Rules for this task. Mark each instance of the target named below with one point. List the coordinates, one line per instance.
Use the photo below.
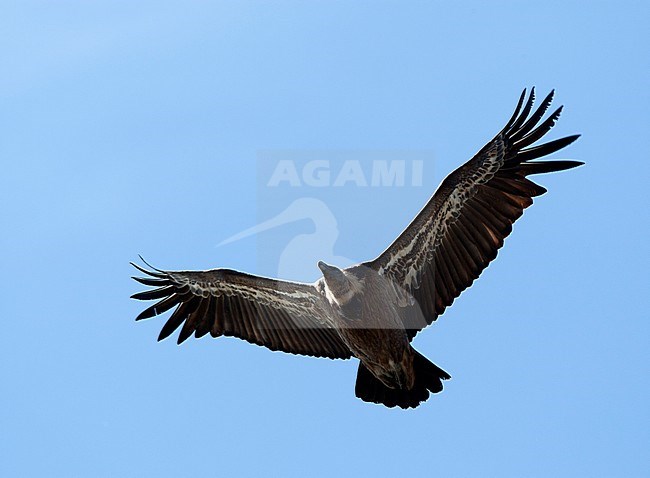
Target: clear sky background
(136, 127)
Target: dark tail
(428, 378)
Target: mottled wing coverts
(285, 316)
(459, 231)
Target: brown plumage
(372, 311)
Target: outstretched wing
(280, 315)
(461, 228)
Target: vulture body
(373, 310)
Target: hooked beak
(331, 273)
(326, 269)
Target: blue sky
(139, 127)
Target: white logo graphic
(303, 249)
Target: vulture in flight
(373, 310)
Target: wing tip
(145, 314)
(149, 265)
(572, 138)
(552, 166)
